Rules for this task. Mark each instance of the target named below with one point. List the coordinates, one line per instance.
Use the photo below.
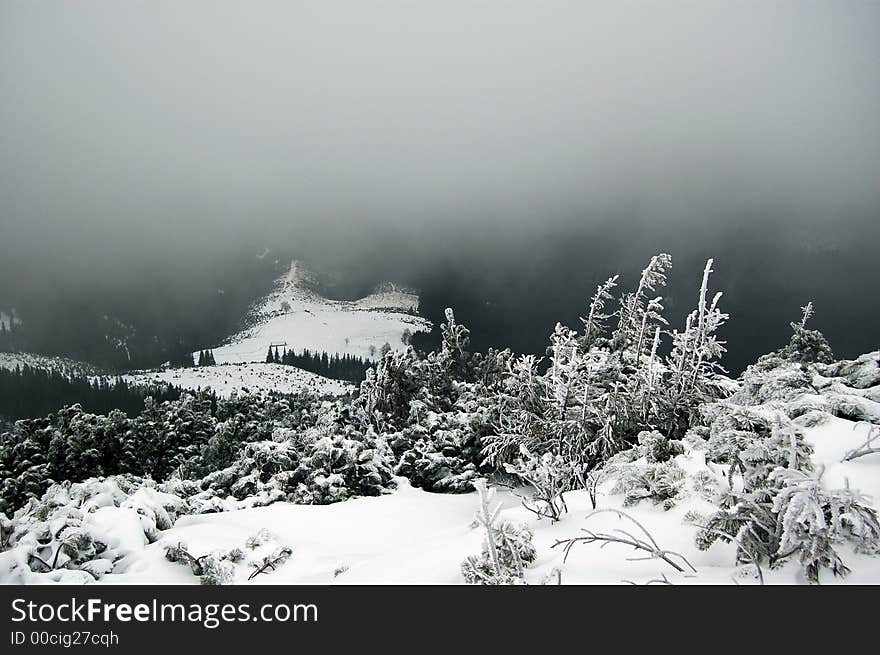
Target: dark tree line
(346, 367)
(27, 392)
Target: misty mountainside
(63, 365)
(313, 342)
(136, 317)
(296, 317)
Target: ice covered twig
(648, 545)
(870, 446)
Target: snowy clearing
(412, 536)
(223, 379)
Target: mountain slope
(296, 315)
(226, 378)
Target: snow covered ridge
(224, 379)
(296, 315)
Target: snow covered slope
(414, 537)
(297, 315)
(226, 378)
(223, 379)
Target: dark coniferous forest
(27, 392)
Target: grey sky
(124, 122)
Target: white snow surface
(226, 378)
(411, 536)
(296, 315)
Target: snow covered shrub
(455, 340)
(788, 372)
(794, 517)
(443, 452)
(550, 476)
(771, 378)
(807, 346)
(860, 373)
(337, 468)
(216, 568)
(262, 553)
(507, 548)
(434, 410)
(74, 445)
(6, 529)
(87, 526)
(514, 551)
(164, 437)
(753, 442)
(245, 419)
(54, 534)
(657, 448)
(811, 520)
(261, 472)
(156, 510)
(647, 471)
(383, 401)
(599, 393)
(693, 363)
(661, 483)
(696, 437)
(779, 510)
(707, 486)
(436, 466)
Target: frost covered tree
(635, 305)
(807, 346)
(595, 321)
(774, 505)
(521, 415)
(550, 476)
(694, 359)
(454, 344)
(507, 549)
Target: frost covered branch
(870, 446)
(648, 545)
